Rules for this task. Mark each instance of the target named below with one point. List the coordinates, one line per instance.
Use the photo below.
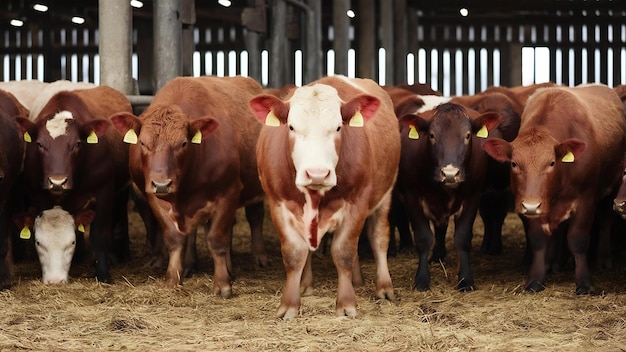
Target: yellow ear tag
(81, 228)
(25, 233)
(197, 138)
(356, 120)
(483, 132)
(413, 132)
(568, 158)
(92, 138)
(27, 138)
(130, 137)
(272, 120)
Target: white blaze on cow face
(314, 129)
(57, 125)
(55, 242)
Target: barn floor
(137, 312)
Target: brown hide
(92, 171)
(366, 170)
(565, 160)
(11, 152)
(189, 179)
(11, 105)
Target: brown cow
(74, 159)
(193, 160)
(11, 153)
(328, 158)
(565, 162)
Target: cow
(25, 91)
(55, 241)
(192, 159)
(565, 162)
(49, 90)
(328, 158)
(74, 159)
(441, 174)
(11, 156)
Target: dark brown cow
(565, 162)
(328, 159)
(73, 158)
(11, 153)
(442, 169)
(193, 160)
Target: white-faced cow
(55, 241)
(74, 158)
(442, 169)
(11, 154)
(565, 162)
(192, 159)
(328, 158)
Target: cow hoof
(224, 292)
(260, 260)
(421, 287)
(287, 313)
(306, 291)
(535, 286)
(5, 281)
(465, 286)
(386, 294)
(349, 312)
(583, 290)
(106, 278)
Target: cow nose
(531, 208)
(317, 176)
(57, 182)
(619, 205)
(162, 187)
(449, 174)
(54, 281)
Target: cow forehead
(168, 123)
(57, 125)
(319, 101)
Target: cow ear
(569, 150)
(94, 129)
(201, 128)
(27, 129)
(269, 109)
(83, 218)
(359, 110)
(127, 125)
(485, 123)
(499, 149)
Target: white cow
(55, 241)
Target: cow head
(537, 162)
(59, 140)
(619, 203)
(315, 117)
(450, 129)
(164, 135)
(55, 241)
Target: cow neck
(311, 215)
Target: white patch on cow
(57, 125)
(431, 102)
(55, 238)
(298, 229)
(313, 119)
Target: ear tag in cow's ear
(483, 132)
(92, 138)
(568, 157)
(27, 137)
(25, 233)
(81, 228)
(356, 120)
(197, 138)
(130, 137)
(272, 120)
(413, 132)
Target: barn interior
(456, 46)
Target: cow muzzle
(316, 179)
(619, 206)
(450, 176)
(57, 184)
(531, 208)
(164, 187)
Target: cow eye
(37, 243)
(40, 146)
(290, 127)
(338, 128)
(73, 242)
(468, 136)
(431, 135)
(76, 145)
(184, 144)
(552, 163)
(513, 164)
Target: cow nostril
(449, 174)
(531, 207)
(57, 181)
(162, 187)
(317, 175)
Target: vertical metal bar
(115, 45)
(167, 42)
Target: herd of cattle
(338, 156)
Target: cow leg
(154, 234)
(578, 242)
(218, 238)
(121, 240)
(6, 257)
(424, 239)
(306, 283)
(439, 250)
(344, 252)
(190, 260)
(295, 253)
(463, 242)
(493, 210)
(537, 242)
(175, 242)
(378, 230)
(100, 235)
(255, 214)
